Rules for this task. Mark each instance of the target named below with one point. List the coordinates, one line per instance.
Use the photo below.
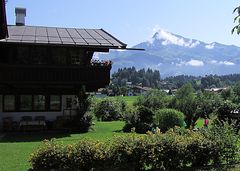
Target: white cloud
(152, 31)
(210, 46)
(192, 62)
(96, 55)
(228, 63)
(180, 64)
(156, 28)
(195, 63)
(213, 62)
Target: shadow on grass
(31, 136)
(223, 167)
(118, 130)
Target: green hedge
(174, 149)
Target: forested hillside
(146, 78)
(151, 78)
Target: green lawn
(15, 149)
(128, 99)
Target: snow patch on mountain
(210, 46)
(169, 38)
(174, 54)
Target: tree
(110, 109)
(227, 94)
(225, 110)
(207, 103)
(147, 78)
(153, 99)
(141, 120)
(236, 90)
(82, 121)
(186, 103)
(236, 20)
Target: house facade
(43, 68)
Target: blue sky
(134, 21)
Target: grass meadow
(15, 148)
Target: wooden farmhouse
(43, 68)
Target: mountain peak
(168, 38)
(173, 54)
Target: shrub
(110, 109)
(141, 120)
(86, 154)
(82, 120)
(128, 152)
(131, 119)
(83, 156)
(175, 149)
(228, 141)
(48, 156)
(201, 150)
(168, 118)
(82, 124)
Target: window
(39, 102)
(68, 103)
(25, 103)
(9, 103)
(29, 103)
(55, 102)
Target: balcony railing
(92, 75)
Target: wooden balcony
(63, 78)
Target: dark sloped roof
(98, 38)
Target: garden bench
(27, 123)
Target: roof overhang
(68, 37)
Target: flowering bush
(49, 156)
(95, 62)
(84, 155)
(176, 148)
